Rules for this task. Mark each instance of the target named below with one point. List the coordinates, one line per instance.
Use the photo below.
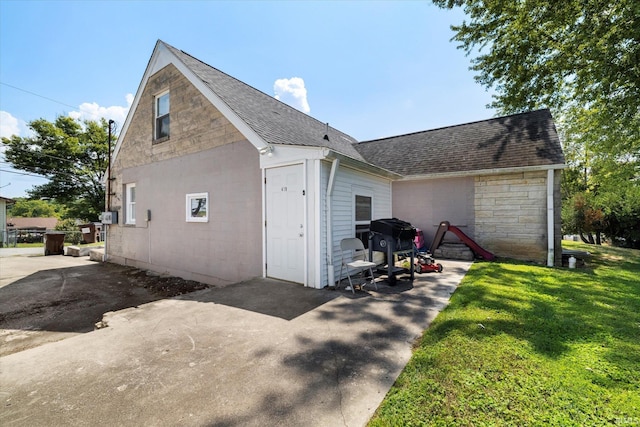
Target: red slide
(476, 248)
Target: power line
(35, 174)
(39, 96)
(75, 107)
(23, 173)
(43, 154)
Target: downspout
(330, 272)
(550, 219)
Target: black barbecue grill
(393, 237)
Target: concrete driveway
(256, 353)
(46, 299)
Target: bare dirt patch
(57, 303)
(165, 286)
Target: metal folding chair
(355, 260)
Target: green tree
(72, 235)
(72, 155)
(35, 208)
(581, 59)
(580, 215)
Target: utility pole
(111, 122)
(106, 226)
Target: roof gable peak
(274, 121)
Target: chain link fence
(11, 237)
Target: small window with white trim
(162, 116)
(363, 213)
(130, 203)
(198, 207)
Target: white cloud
(93, 111)
(9, 125)
(292, 91)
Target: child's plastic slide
(475, 248)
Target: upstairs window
(162, 116)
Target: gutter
(360, 165)
(332, 175)
(482, 172)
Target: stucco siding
(226, 249)
(204, 153)
(425, 203)
(506, 214)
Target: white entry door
(285, 223)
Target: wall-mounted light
(267, 149)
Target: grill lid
(393, 227)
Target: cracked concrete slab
(229, 357)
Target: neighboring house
(30, 230)
(216, 181)
(40, 223)
(4, 202)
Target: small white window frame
(362, 192)
(158, 117)
(130, 206)
(192, 197)
(355, 207)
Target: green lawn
(41, 245)
(29, 245)
(528, 345)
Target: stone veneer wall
(511, 215)
(196, 124)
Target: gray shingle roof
(519, 140)
(274, 121)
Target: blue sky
(370, 69)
